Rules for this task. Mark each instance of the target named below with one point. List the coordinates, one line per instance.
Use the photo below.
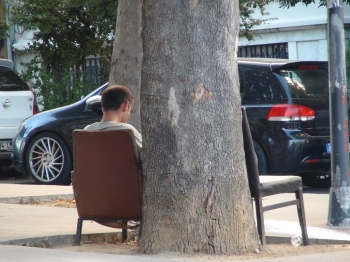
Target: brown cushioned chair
(262, 186)
(107, 177)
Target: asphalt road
(9, 175)
(14, 177)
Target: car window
(260, 87)
(10, 81)
(97, 91)
(305, 83)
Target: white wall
(304, 28)
(299, 15)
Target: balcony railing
(265, 51)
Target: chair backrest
(250, 157)
(107, 180)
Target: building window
(268, 51)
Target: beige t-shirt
(111, 125)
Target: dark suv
(287, 107)
(288, 110)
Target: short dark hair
(114, 96)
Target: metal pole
(339, 195)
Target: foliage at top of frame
(247, 22)
(67, 30)
(4, 27)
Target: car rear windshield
(10, 81)
(305, 81)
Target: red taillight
(35, 108)
(312, 161)
(290, 112)
(35, 104)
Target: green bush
(59, 87)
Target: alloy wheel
(46, 159)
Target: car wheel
(317, 180)
(48, 160)
(263, 165)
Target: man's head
(117, 98)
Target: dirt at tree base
(68, 203)
(272, 250)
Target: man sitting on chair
(116, 102)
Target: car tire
(317, 180)
(263, 165)
(48, 160)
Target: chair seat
(271, 185)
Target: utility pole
(339, 195)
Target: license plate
(328, 148)
(5, 145)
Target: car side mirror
(94, 103)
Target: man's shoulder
(110, 125)
(124, 126)
(92, 126)
(117, 126)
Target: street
(13, 177)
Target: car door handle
(6, 102)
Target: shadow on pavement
(9, 175)
(309, 190)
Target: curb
(33, 199)
(313, 241)
(64, 240)
(61, 240)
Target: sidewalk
(28, 223)
(283, 222)
(21, 222)
(16, 253)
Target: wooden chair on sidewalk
(107, 178)
(262, 186)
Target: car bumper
(294, 152)
(315, 165)
(16, 154)
(18, 165)
(5, 154)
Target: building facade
(298, 32)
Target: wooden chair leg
(140, 229)
(78, 234)
(260, 220)
(301, 215)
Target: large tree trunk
(196, 196)
(127, 53)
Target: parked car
(287, 108)
(17, 103)
(43, 145)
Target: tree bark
(127, 53)
(196, 196)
